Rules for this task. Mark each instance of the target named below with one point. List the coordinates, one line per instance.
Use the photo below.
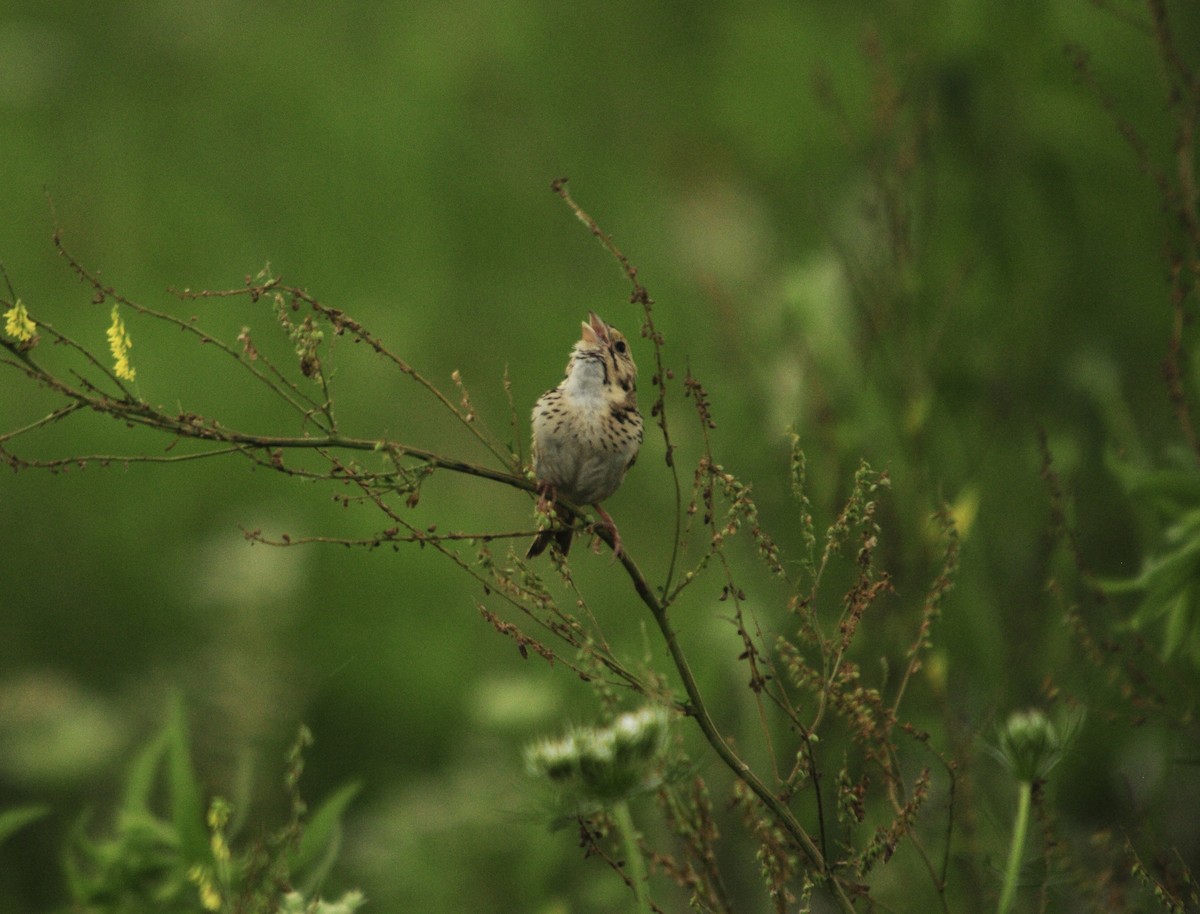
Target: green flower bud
(1030, 745)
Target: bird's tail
(558, 537)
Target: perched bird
(587, 431)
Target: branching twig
(721, 507)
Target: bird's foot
(546, 497)
(618, 549)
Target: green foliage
(13, 820)
(162, 853)
(143, 864)
(1169, 582)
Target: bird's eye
(619, 345)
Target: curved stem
(633, 856)
(1013, 869)
(697, 709)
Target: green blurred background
(905, 230)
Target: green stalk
(1009, 892)
(633, 855)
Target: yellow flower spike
(218, 813)
(218, 817)
(120, 344)
(18, 324)
(220, 848)
(964, 510)
(210, 898)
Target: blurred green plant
(1170, 575)
(1169, 582)
(590, 767)
(13, 820)
(1029, 746)
(600, 770)
(171, 856)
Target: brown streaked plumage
(587, 431)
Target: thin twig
(641, 296)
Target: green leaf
(1169, 584)
(143, 775)
(1166, 572)
(186, 802)
(1186, 528)
(1173, 571)
(13, 820)
(1179, 621)
(320, 842)
(1170, 491)
(1171, 599)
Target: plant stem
(698, 710)
(1015, 850)
(634, 862)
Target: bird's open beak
(595, 328)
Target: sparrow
(587, 430)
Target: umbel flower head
(602, 765)
(1030, 745)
